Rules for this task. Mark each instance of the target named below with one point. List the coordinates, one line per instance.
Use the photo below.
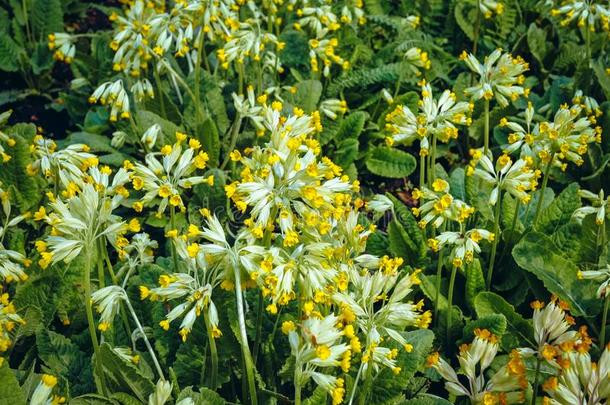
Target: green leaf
(56, 351)
(387, 387)
(538, 254)
(346, 152)
(465, 17)
(603, 79)
(207, 134)
(9, 53)
(388, 73)
(536, 40)
(317, 397)
(25, 189)
(495, 323)
(42, 58)
(426, 399)
(46, 18)
(560, 210)
(351, 126)
(296, 47)
(308, 94)
(92, 399)
(10, 392)
(408, 236)
(124, 399)
(488, 303)
(388, 162)
(475, 282)
(121, 376)
(147, 119)
(205, 396)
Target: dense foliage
(304, 201)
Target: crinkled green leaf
(538, 254)
(488, 303)
(388, 162)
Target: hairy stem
(450, 302)
(494, 245)
(535, 391)
(486, 134)
(213, 351)
(243, 338)
(146, 341)
(545, 181)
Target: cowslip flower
(580, 380)
(436, 118)
(9, 319)
(552, 331)
(464, 245)
(72, 161)
(43, 391)
(520, 138)
(62, 45)
(164, 181)
(382, 321)
(417, 60)
(507, 385)
(83, 216)
(12, 263)
(516, 178)
(489, 7)
(602, 275)
(500, 76)
(107, 302)
(438, 206)
(599, 205)
(586, 14)
(566, 138)
(115, 95)
(316, 347)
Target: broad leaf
(10, 392)
(538, 254)
(388, 162)
(488, 303)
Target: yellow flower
(193, 249)
(322, 352)
(134, 225)
(200, 160)
(49, 380)
(287, 327)
(165, 191)
(40, 214)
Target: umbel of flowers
(303, 241)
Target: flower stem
(494, 245)
(450, 302)
(146, 341)
(353, 394)
(602, 333)
(422, 169)
(213, 351)
(439, 272)
(243, 337)
(545, 181)
(90, 321)
(486, 134)
(259, 327)
(161, 100)
(297, 385)
(172, 224)
(368, 382)
(535, 391)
